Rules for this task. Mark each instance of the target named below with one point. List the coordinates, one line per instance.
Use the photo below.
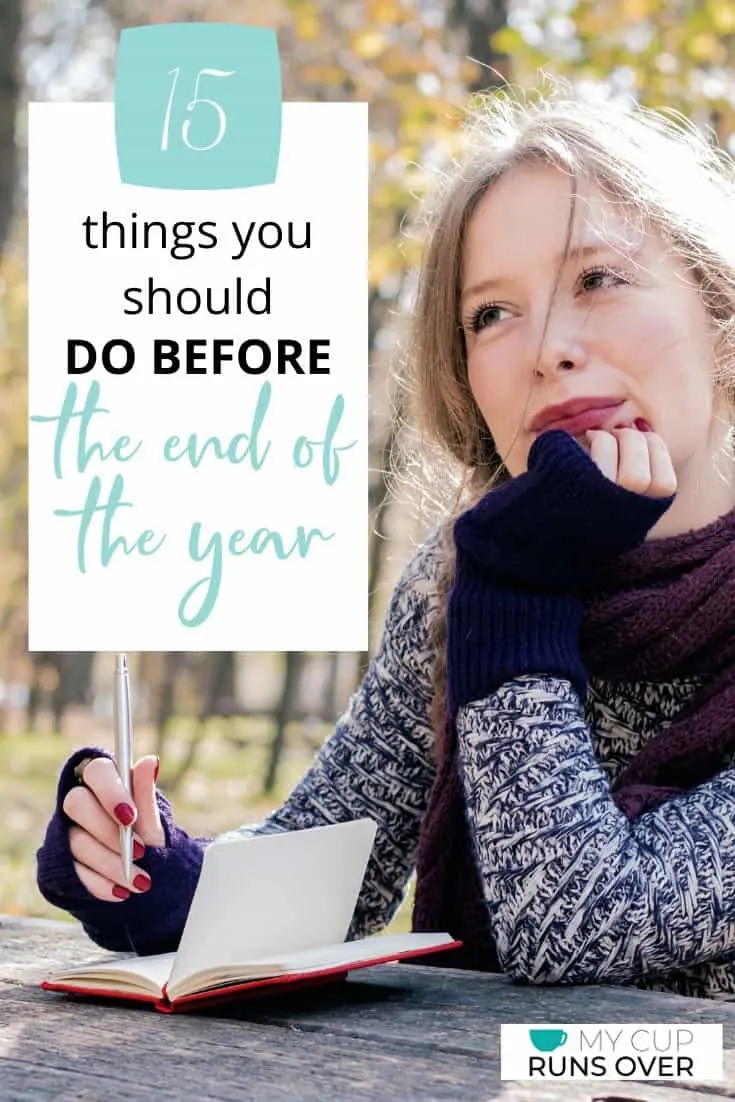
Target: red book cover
(273, 985)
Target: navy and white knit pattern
(575, 893)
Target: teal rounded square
(198, 105)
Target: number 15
(190, 107)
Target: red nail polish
(156, 770)
(138, 849)
(124, 814)
(119, 892)
(141, 882)
(642, 425)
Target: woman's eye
(594, 278)
(484, 316)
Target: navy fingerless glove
(525, 554)
(149, 922)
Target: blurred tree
(10, 27)
(471, 27)
(13, 348)
(677, 54)
(58, 680)
(13, 461)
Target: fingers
(100, 888)
(148, 824)
(85, 810)
(101, 870)
(604, 452)
(102, 779)
(663, 476)
(97, 809)
(634, 464)
(637, 461)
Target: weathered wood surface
(391, 1033)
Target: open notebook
(269, 910)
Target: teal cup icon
(546, 1040)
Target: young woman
(546, 732)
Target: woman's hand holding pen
(80, 863)
(98, 807)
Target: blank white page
(273, 894)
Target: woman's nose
(560, 347)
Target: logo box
(641, 1051)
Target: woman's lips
(591, 419)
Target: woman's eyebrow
(578, 251)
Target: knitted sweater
(575, 892)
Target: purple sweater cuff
(150, 922)
(495, 634)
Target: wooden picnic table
(391, 1032)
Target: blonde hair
(657, 169)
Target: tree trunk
(172, 662)
(329, 706)
(218, 697)
(295, 661)
(73, 685)
(10, 25)
(474, 22)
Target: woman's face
(627, 335)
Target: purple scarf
(667, 611)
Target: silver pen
(124, 752)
